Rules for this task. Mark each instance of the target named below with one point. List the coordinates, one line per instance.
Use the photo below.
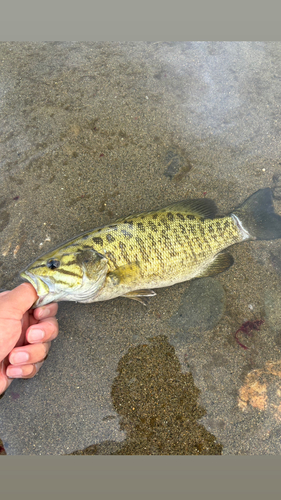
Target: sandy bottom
(95, 131)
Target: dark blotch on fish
(111, 257)
(127, 234)
(152, 226)
(110, 238)
(98, 241)
(141, 226)
(180, 216)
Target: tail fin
(257, 216)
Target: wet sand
(94, 131)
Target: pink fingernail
(43, 313)
(34, 335)
(20, 357)
(15, 372)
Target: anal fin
(140, 295)
(221, 263)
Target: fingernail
(19, 357)
(44, 313)
(15, 372)
(35, 335)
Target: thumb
(13, 306)
(15, 303)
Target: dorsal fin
(201, 207)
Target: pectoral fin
(129, 275)
(125, 275)
(221, 263)
(140, 295)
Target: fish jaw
(48, 290)
(44, 289)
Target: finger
(46, 311)
(4, 380)
(30, 354)
(36, 369)
(16, 302)
(25, 322)
(26, 371)
(44, 331)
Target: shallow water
(94, 131)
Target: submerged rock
(202, 306)
(276, 188)
(177, 165)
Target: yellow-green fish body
(150, 250)
(160, 249)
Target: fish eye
(53, 263)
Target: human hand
(22, 352)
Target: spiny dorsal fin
(221, 263)
(200, 207)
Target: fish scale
(166, 249)
(151, 250)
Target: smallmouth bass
(160, 248)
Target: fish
(138, 253)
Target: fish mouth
(29, 277)
(42, 286)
